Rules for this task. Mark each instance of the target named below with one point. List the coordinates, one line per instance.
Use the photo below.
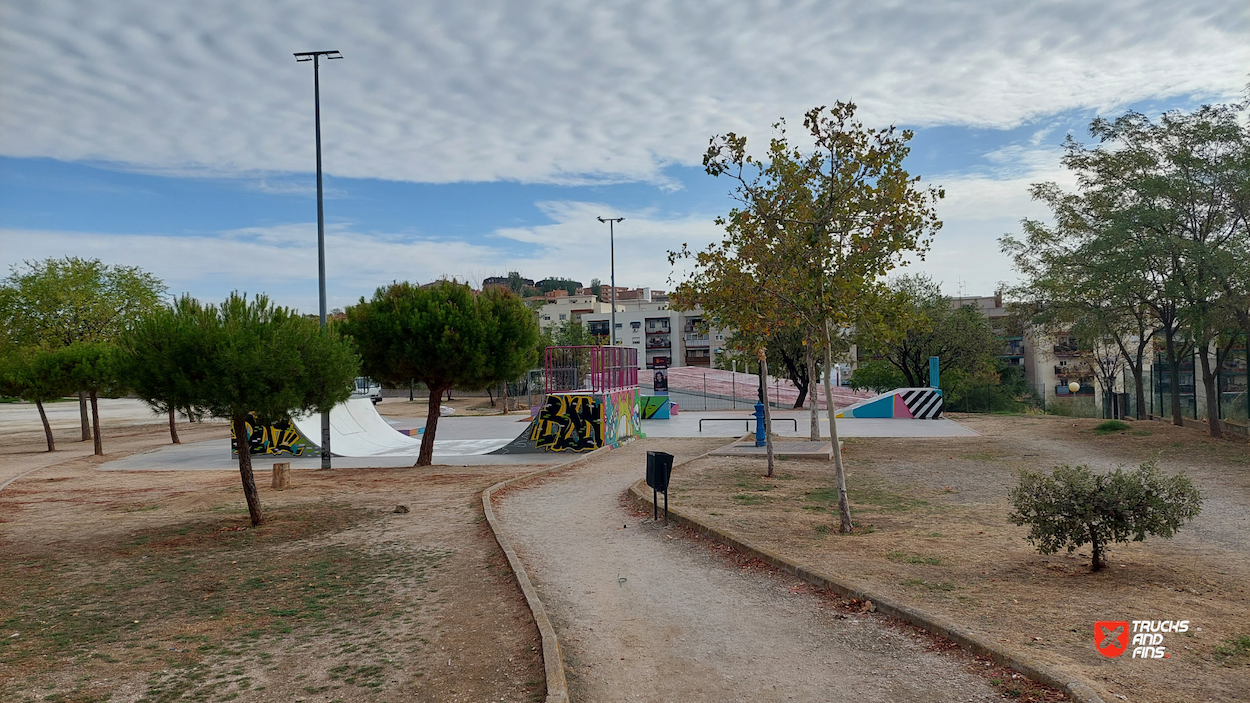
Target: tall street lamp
(612, 253)
(315, 57)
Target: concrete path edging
(553, 662)
(1077, 691)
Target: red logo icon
(1111, 637)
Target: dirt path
(646, 615)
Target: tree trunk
(505, 397)
(768, 416)
(1138, 380)
(797, 377)
(245, 470)
(814, 408)
(95, 424)
(1209, 385)
(47, 429)
(426, 456)
(1175, 365)
(844, 505)
(490, 394)
(1096, 550)
(173, 427)
(82, 414)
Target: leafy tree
(435, 335)
(250, 358)
(919, 322)
(96, 368)
(566, 284)
(1163, 203)
(725, 286)
(36, 374)
(1086, 276)
(160, 362)
(1074, 507)
(596, 287)
(566, 334)
(877, 376)
(512, 337)
(57, 302)
(816, 229)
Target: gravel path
(646, 615)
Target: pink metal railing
(589, 368)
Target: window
(563, 316)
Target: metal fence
(589, 368)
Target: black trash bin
(659, 468)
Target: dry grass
(932, 531)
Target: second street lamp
(315, 57)
(612, 253)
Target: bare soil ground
(933, 531)
(150, 586)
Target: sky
(473, 138)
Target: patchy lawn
(932, 530)
(152, 587)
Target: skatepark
(363, 438)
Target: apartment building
(661, 336)
(561, 307)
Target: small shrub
(1074, 507)
(1111, 426)
(1233, 647)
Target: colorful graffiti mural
(277, 438)
(568, 423)
(654, 407)
(580, 422)
(622, 418)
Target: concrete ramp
(580, 421)
(899, 404)
(357, 430)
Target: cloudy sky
(468, 139)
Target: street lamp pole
(612, 253)
(315, 57)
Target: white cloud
(282, 260)
(564, 92)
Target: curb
(553, 662)
(1077, 691)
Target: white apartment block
(568, 308)
(660, 335)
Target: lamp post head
(611, 219)
(308, 55)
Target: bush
(1074, 507)
(1111, 427)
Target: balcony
(698, 361)
(659, 344)
(697, 341)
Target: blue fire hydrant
(759, 425)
